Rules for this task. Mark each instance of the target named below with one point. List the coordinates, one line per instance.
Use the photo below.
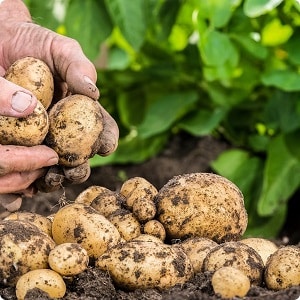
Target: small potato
(23, 247)
(68, 259)
(42, 222)
(107, 202)
(147, 238)
(78, 174)
(28, 131)
(196, 248)
(137, 188)
(283, 268)
(75, 128)
(262, 246)
(89, 194)
(230, 282)
(33, 75)
(126, 223)
(144, 209)
(204, 205)
(143, 265)
(237, 255)
(44, 279)
(155, 228)
(77, 223)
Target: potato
(229, 282)
(236, 255)
(33, 75)
(155, 228)
(147, 238)
(75, 128)
(144, 265)
(204, 205)
(42, 222)
(23, 247)
(44, 279)
(89, 194)
(78, 174)
(262, 246)
(78, 223)
(283, 268)
(107, 201)
(126, 223)
(28, 131)
(196, 249)
(137, 188)
(144, 209)
(68, 259)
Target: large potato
(33, 75)
(77, 223)
(75, 129)
(204, 205)
(143, 265)
(28, 131)
(23, 247)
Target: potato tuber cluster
(72, 126)
(160, 248)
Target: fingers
(11, 202)
(15, 101)
(24, 159)
(109, 136)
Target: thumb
(15, 101)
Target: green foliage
(228, 68)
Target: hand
(73, 72)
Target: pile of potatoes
(72, 126)
(146, 238)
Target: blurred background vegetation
(226, 68)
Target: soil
(184, 154)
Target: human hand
(72, 71)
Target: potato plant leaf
(256, 8)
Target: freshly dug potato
(78, 174)
(137, 188)
(229, 282)
(29, 131)
(262, 246)
(107, 202)
(23, 247)
(144, 209)
(144, 265)
(42, 222)
(77, 223)
(89, 194)
(75, 128)
(196, 248)
(126, 223)
(236, 255)
(155, 228)
(204, 205)
(283, 268)
(44, 279)
(68, 259)
(147, 238)
(35, 76)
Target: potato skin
(28, 131)
(204, 205)
(23, 246)
(77, 223)
(33, 75)
(75, 128)
(144, 265)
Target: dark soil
(184, 154)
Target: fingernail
(20, 101)
(91, 84)
(52, 161)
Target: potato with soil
(283, 268)
(28, 131)
(75, 129)
(90, 193)
(144, 265)
(236, 255)
(23, 247)
(78, 223)
(204, 205)
(44, 279)
(155, 228)
(33, 75)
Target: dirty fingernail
(91, 84)
(20, 101)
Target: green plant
(228, 68)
